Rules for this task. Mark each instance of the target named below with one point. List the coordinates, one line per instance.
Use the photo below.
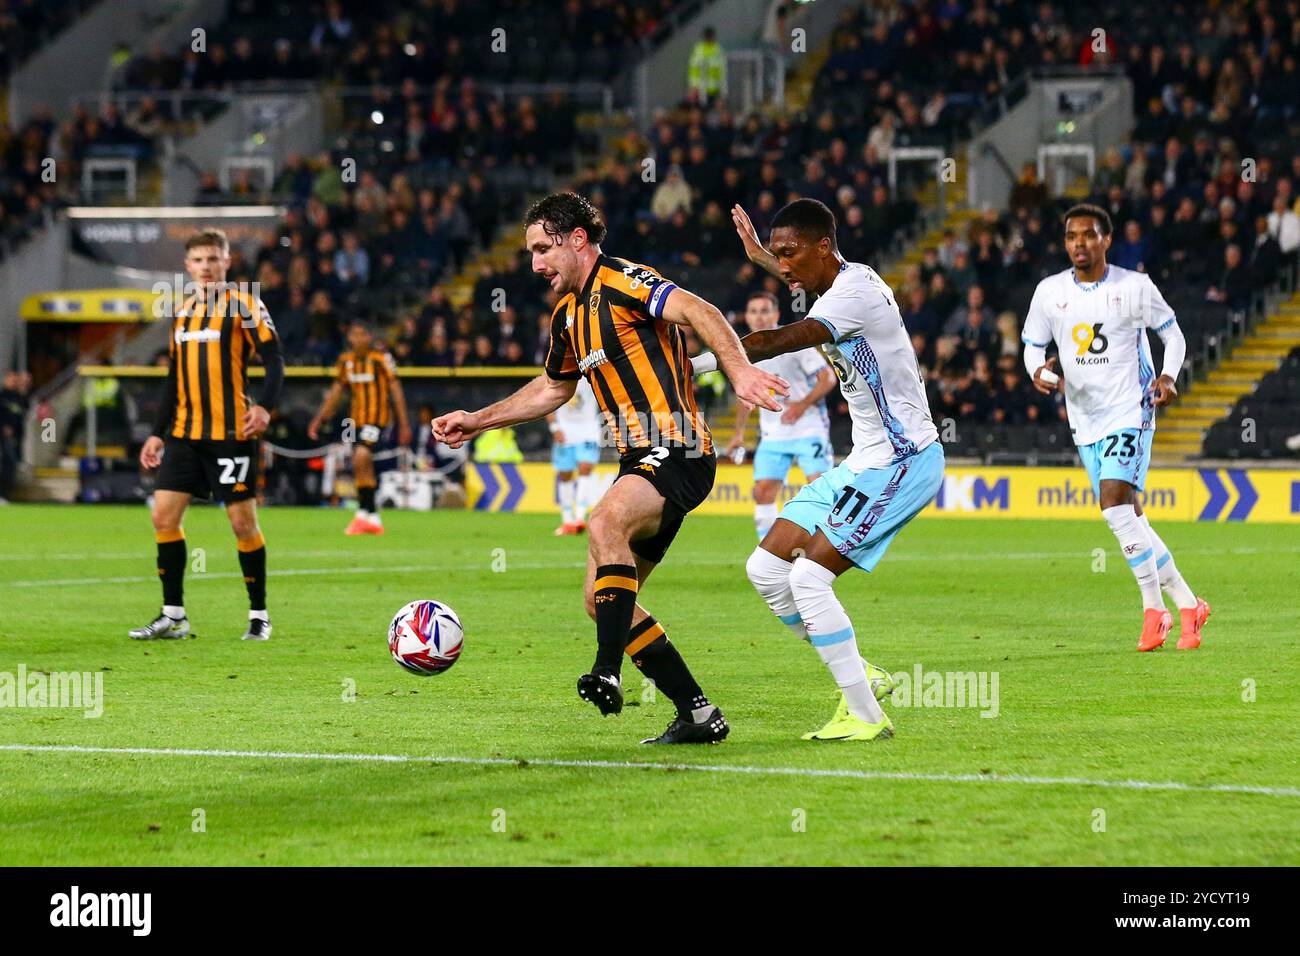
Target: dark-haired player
(204, 441)
(618, 323)
(370, 375)
(851, 513)
(1098, 316)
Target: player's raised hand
(757, 387)
(313, 429)
(151, 453)
(455, 428)
(255, 421)
(1164, 391)
(1048, 386)
(748, 234)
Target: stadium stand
(424, 241)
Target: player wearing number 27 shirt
(204, 441)
(1099, 315)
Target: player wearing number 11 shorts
(1098, 315)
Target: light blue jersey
(896, 466)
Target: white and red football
(425, 637)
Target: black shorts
(683, 476)
(225, 471)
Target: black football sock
(366, 498)
(615, 594)
(171, 566)
(658, 659)
(252, 561)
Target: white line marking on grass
(700, 768)
(545, 565)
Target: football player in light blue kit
(1098, 315)
(575, 451)
(849, 515)
(801, 432)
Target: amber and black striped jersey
(213, 339)
(636, 361)
(370, 375)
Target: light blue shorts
(861, 512)
(1124, 455)
(567, 457)
(773, 459)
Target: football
(425, 637)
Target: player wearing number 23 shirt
(1098, 315)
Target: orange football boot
(1156, 623)
(356, 526)
(1192, 620)
(567, 528)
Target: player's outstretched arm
(537, 399)
(786, 338)
(754, 247)
(750, 382)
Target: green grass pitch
(1056, 778)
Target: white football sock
(582, 501)
(568, 490)
(1135, 545)
(764, 515)
(770, 576)
(831, 632)
(174, 611)
(1170, 579)
(259, 616)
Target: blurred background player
(575, 433)
(1098, 315)
(204, 441)
(849, 515)
(371, 375)
(801, 433)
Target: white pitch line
(700, 768)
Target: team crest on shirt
(593, 304)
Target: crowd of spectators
(386, 42)
(1203, 196)
(27, 25)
